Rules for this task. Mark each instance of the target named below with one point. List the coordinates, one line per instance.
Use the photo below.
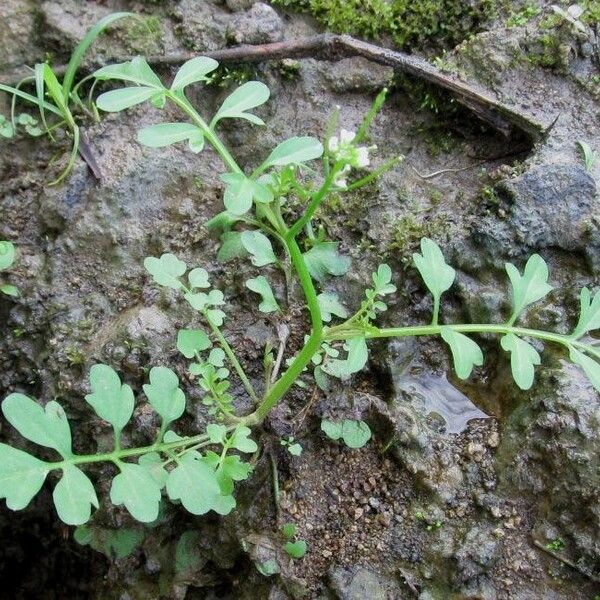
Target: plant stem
(344, 333)
(283, 384)
(232, 358)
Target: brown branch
(566, 561)
(335, 47)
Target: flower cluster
(344, 150)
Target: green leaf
(437, 275)
(382, 280)
(195, 484)
(261, 286)
(115, 544)
(21, 476)
(296, 549)
(294, 151)
(241, 441)
(216, 433)
(330, 304)
(289, 530)
(165, 134)
(248, 96)
(529, 287)
(332, 429)
(358, 354)
(9, 290)
(589, 365)
(589, 314)
(523, 358)
(192, 71)
(190, 341)
(117, 100)
(231, 246)
(74, 496)
(198, 278)
(7, 255)
(260, 248)
(197, 301)
(135, 487)
(465, 352)
(111, 400)
(355, 434)
(166, 270)
(164, 394)
(216, 357)
(324, 259)
(153, 463)
(295, 449)
(46, 426)
(135, 71)
(241, 191)
(189, 557)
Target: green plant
(7, 258)
(200, 470)
(293, 447)
(60, 99)
(589, 156)
(523, 16)
(556, 545)
(355, 434)
(294, 548)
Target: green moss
(142, 36)
(408, 231)
(410, 24)
(234, 75)
(523, 16)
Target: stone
(259, 25)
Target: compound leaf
(589, 314)
(241, 441)
(382, 279)
(21, 476)
(324, 259)
(358, 355)
(166, 270)
(164, 394)
(153, 463)
(529, 287)
(47, 426)
(192, 71)
(195, 484)
(110, 399)
(589, 365)
(294, 151)
(135, 487)
(465, 352)
(261, 286)
(190, 341)
(248, 96)
(437, 275)
(260, 248)
(523, 358)
(74, 496)
(330, 304)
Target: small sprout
(294, 448)
(295, 549)
(355, 434)
(589, 156)
(556, 545)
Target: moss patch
(410, 24)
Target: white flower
(333, 144)
(340, 179)
(362, 157)
(346, 137)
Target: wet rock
(556, 432)
(359, 583)
(477, 553)
(357, 75)
(260, 25)
(551, 205)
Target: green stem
(232, 358)
(342, 333)
(285, 382)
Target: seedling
(294, 448)
(296, 548)
(555, 545)
(60, 99)
(199, 470)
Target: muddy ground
(468, 490)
